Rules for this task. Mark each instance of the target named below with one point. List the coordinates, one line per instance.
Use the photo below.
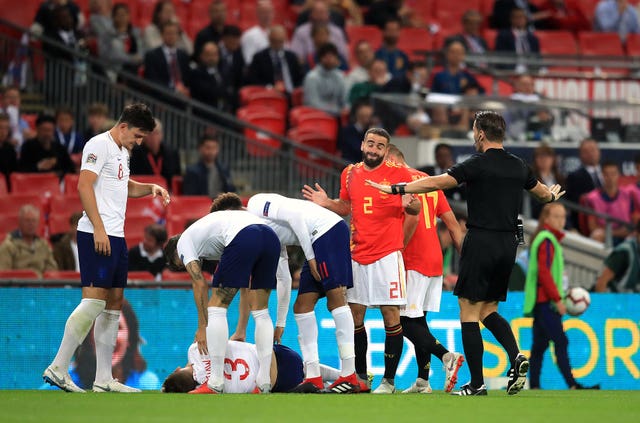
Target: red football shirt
(376, 217)
(423, 253)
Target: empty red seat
(297, 112)
(557, 42)
(270, 99)
(70, 275)
(415, 42)
(150, 179)
(176, 185)
(35, 183)
(19, 274)
(246, 91)
(632, 45)
(189, 205)
(4, 190)
(134, 228)
(601, 44)
(8, 223)
(449, 13)
(71, 183)
(140, 275)
(487, 82)
(259, 143)
(321, 123)
(11, 203)
(64, 204)
(357, 33)
(297, 97)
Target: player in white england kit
(324, 238)
(248, 252)
(104, 186)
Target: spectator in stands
(320, 35)
(621, 272)
(66, 133)
(634, 188)
(8, 156)
(65, 250)
(501, 16)
(208, 176)
(378, 78)
(213, 31)
(563, 15)
(381, 11)
(43, 21)
(125, 48)
(616, 16)
(341, 12)
(518, 39)
(164, 12)
(612, 201)
(443, 154)
(397, 60)
(470, 37)
(256, 38)
(351, 136)
(453, 79)
(100, 25)
(168, 64)
(527, 123)
(154, 157)
(23, 248)
(324, 86)
(414, 80)
(364, 58)
(207, 84)
(64, 32)
(10, 101)
(43, 153)
(586, 178)
(545, 169)
(302, 43)
(97, 120)
(231, 65)
(276, 66)
(147, 255)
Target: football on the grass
(577, 300)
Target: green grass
(528, 406)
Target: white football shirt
(102, 156)
(240, 367)
(306, 219)
(208, 236)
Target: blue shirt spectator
(608, 18)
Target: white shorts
(379, 283)
(423, 294)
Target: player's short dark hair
(180, 382)
(226, 201)
(170, 252)
(138, 115)
(492, 124)
(378, 131)
(327, 48)
(157, 232)
(395, 151)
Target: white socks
(217, 336)
(105, 333)
(308, 339)
(344, 336)
(264, 345)
(75, 330)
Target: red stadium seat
(168, 275)
(315, 140)
(601, 44)
(21, 14)
(356, 33)
(35, 183)
(11, 203)
(70, 275)
(191, 206)
(270, 99)
(176, 185)
(258, 143)
(422, 8)
(140, 275)
(557, 42)
(490, 37)
(246, 91)
(65, 204)
(4, 190)
(414, 42)
(8, 223)
(324, 124)
(487, 82)
(297, 112)
(19, 274)
(71, 183)
(632, 45)
(449, 13)
(134, 228)
(297, 97)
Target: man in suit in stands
(470, 36)
(153, 157)
(147, 255)
(518, 39)
(587, 177)
(207, 84)
(231, 64)
(276, 66)
(213, 31)
(168, 65)
(65, 250)
(43, 153)
(208, 176)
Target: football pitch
(528, 406)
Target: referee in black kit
(495, 180)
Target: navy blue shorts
(254, 252)
(334, 262)
(290, 369)
(99, 270)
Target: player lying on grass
(240, 369)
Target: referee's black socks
(500, 328)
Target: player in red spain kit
(423, 262)
(376, 245)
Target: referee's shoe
(517, 375)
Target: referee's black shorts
(486, 262)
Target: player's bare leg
(259, 303)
